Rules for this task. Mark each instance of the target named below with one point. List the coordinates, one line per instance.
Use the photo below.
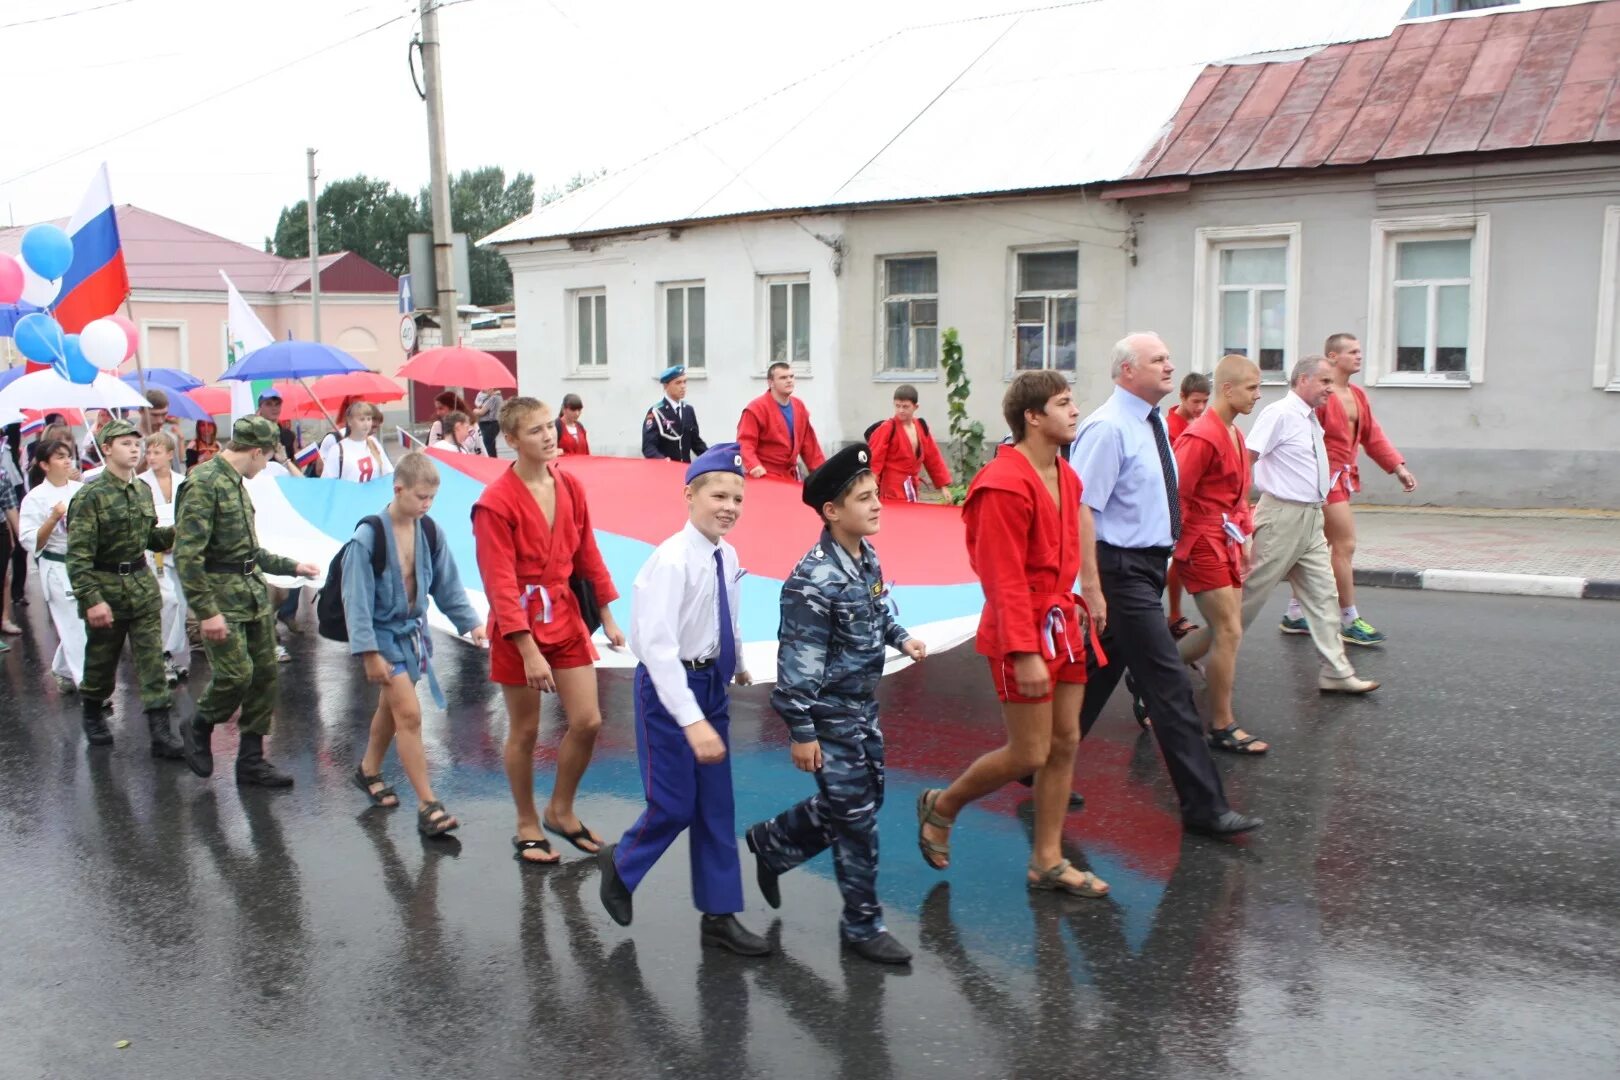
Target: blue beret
(724, 457)
(672, 373)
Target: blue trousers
(683, 795)
(843, 815)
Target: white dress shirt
(36, 509)
(675, 615)
(1292, 462)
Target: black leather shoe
(1077, 801)
(164, 743)
(725, 932)
(196, 746)
(257, 772)
(883, 949)
(95, 726)
(615, 895)
(1228, 824)
(767, 878)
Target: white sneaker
(1349, 684)
(66, 685)
(282, 655)
(170, 675)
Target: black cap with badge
(836, 474)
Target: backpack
(329, 616)
(868, 436)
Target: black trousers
(1138, 637)
(490, 430)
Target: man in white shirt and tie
(1291, 473)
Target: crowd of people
(1072, 528)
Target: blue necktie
(727, 660)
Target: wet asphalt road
(1434, 894)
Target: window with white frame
(1428, 300)
(787, 306)
(1246, 297)
(910, 313)
(590, 328)
(685, 325)
(1046, 310)
(1606, 368)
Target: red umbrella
(458, 366)
(332, 393)
(213, 400)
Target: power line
(66, 14)
(202, 101)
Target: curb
(1482, 581)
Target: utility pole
(439, 179)
(314, 255)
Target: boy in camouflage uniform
(111, 525)
(835, 624)
(221, 567)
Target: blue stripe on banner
(93, 247)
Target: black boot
(253, 770)
(883, 949)
(769, 887)
(725, 932)
(164, 743)
(197, 746)
(95, 725)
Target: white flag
(243, 333)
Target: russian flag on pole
(96, 282)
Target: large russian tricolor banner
(97, 281)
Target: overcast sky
(549, 86)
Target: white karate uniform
(53, 577)
(175, 644)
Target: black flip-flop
(582, 833)
(521, 845)
(364, 782)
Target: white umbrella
(46, 390)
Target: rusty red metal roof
(1500, 81)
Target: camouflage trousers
(842, 814)
(242, 673)
(102, 648)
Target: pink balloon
(130, 331)
(11, 279)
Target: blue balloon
(75, 367)
(38, 337)
(48, 251)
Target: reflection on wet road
(1434, 893)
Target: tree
(368, 217)
(967, 436)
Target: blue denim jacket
(379, 616)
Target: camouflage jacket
(835, 623)
(113, 521)
(213, 523)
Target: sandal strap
(929, 817)
(1052, 873)
(427, 810)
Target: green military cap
(112, 429)
(256, 432)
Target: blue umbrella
(292, 360)
(185, 408)
(165, 378)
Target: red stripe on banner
(642, 499)
(100, 294)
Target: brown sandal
(925, 817)
(1051, 880)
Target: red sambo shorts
(1343, 487)
(506, 663)
(1062, 670)
(1210, 564)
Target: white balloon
(37, 290)
(103, 344)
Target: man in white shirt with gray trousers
(1291, 473)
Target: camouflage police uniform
(221, 568)
(836, 621)
(111, 524)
